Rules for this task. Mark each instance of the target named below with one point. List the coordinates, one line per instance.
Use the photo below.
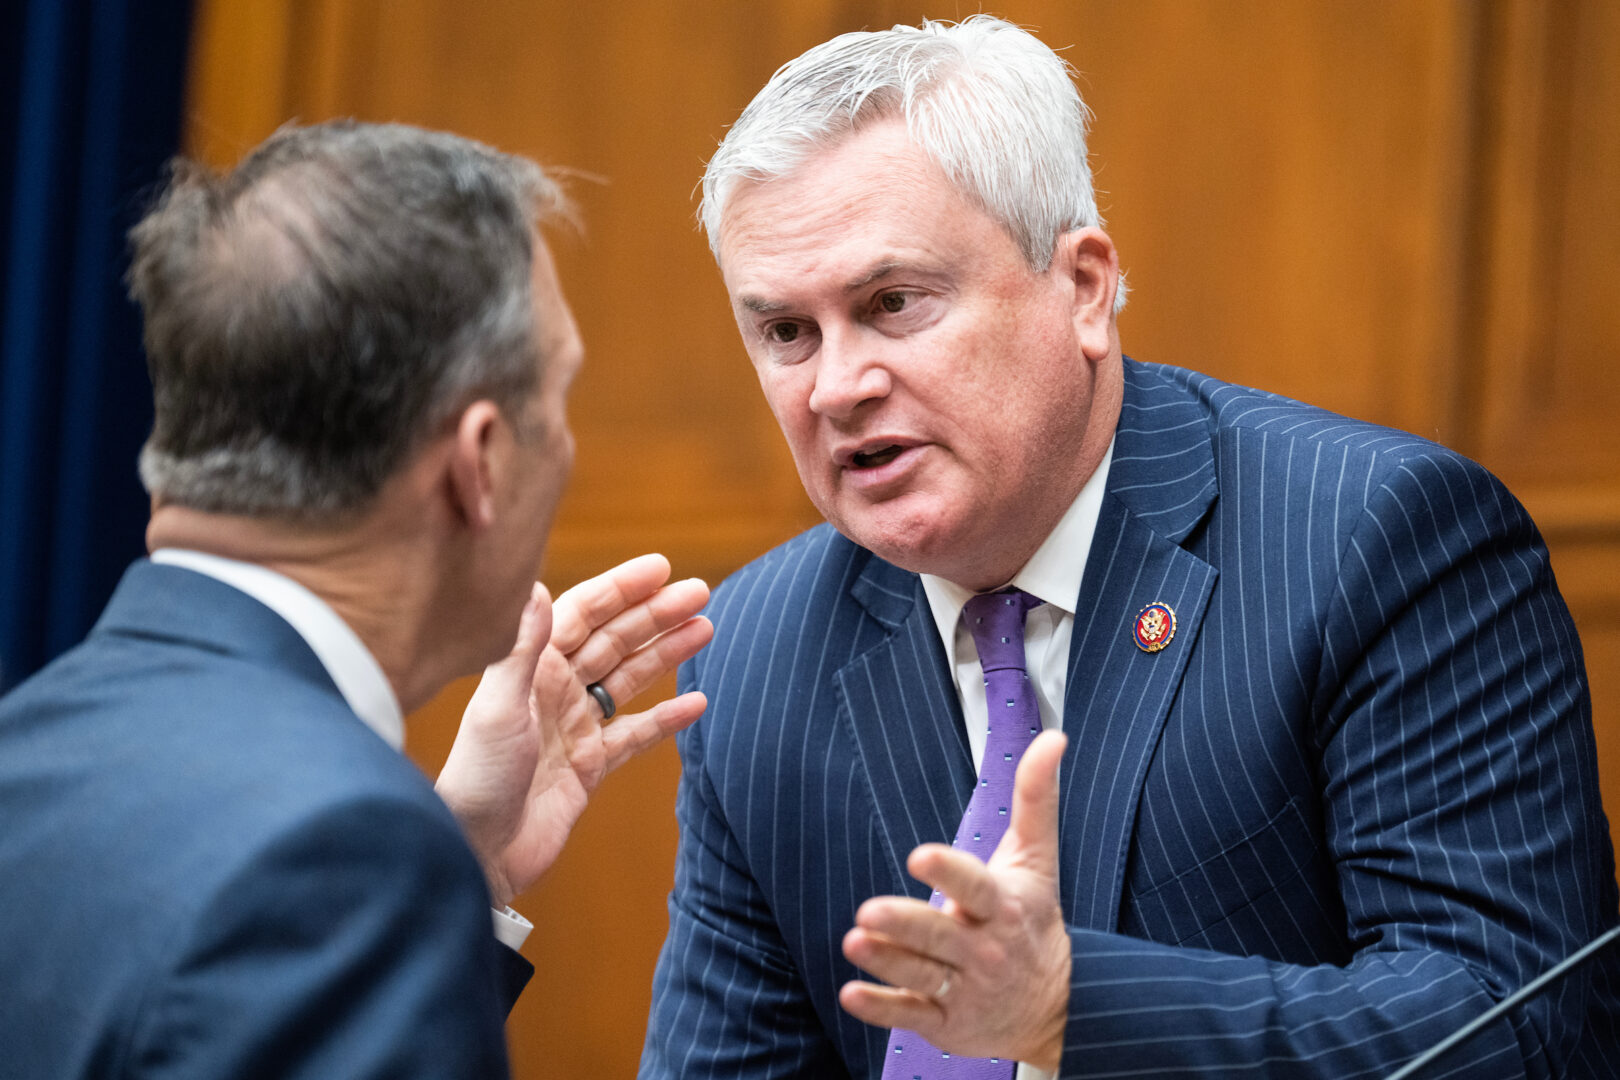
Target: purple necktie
(996, 621)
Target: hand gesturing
(533, 745)
(987, 974)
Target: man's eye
(892, 302)
(783, 333)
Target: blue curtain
(90, 107)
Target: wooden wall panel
(1400, 211)
(1280, 179)
(1545, 397)
(1539, 394)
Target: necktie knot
(996, 621)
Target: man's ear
(473, 467)
(1088, 259)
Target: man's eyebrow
(876, 274)
(759, 305)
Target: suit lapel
(1160, 486)
(1117, 700)
(900, 712)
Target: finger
(644, 667)
(911, 925)
(508, 680)
(596, 600)
(960, 876)
(894, 963)
(1032, 831)
(885, 1006)
(630, 735)
(604, 647)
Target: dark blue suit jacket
(1351, 804)
(210, 868)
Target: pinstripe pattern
(1352, 803)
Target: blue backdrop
(90, 107)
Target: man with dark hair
(1329, 789)
(215, 861)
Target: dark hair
(318, 312)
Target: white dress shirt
(1052, 574)
(355, 672)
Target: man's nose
(849, 373)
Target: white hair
(990, 104)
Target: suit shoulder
(816, 564)
(1314, 464)
(1243, 411)
(796, 612)
(230, 757)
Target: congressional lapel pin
(1155, 627)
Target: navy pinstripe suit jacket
(1353, 802)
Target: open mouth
(872, 459)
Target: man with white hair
(1328, 784)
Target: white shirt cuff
(511, 929)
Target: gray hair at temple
(996, 109)
(315, 315)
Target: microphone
(1523, 994)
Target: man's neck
(374, 578)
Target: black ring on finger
(603, 699)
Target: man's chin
(932, 549)
(919, 547)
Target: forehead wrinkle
(790, 229)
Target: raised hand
(533, 745)
(988, 973)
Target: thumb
(1032, 831)
(482, 758)
(509, 679)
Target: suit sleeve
(727, 999)
(511, 973)
(1459, 786)
(355, 944)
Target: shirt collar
(1052, 574)
(356, 673)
